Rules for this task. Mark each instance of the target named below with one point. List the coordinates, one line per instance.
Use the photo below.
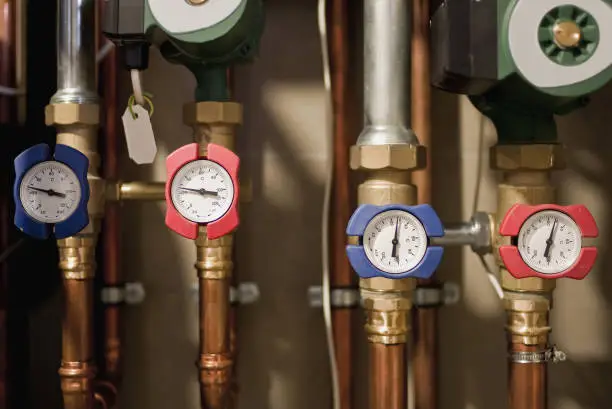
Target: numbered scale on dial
(394, 241)
(51, 192)
(547, 241)
(202, 191)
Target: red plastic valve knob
(228, 161)
(511, 226)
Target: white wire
(326, 289)
(104, 51)
(11, 92)
(137, 87)
(490, 274)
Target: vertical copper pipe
(388, 375)
(425, 342)
(344, 136)
(8, 14)
(527, 383)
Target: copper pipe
(388, 375)
(425, 340)
(527, 383)
(344, 135)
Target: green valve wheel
(568, 35)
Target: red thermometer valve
(547, 241)
(202, 190)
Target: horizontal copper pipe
(527, 383)
(388, 376)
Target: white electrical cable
(104, 51)
(326, 289)
(490, 274)
(137, 87)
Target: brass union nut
(71, 114)
(210, 112)
(395, 156)
(528, 157)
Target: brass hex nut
(70, 114)
(210, 112)
(395, 156)
(528, 157)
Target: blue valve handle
(79, 164)
(356, 253)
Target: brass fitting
(120, 191)
(77, 127)
(76, 382)
(215, 379)
(214, 257)
(398, 157)
(387, 305)
(533, 157)
(213, 122)
(527, 318)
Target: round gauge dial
(50, 192)
(202, 191)
(549, 242)
(395, 241)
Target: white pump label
(139, 135)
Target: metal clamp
(129, 293)
(339, 297)
(551, 354)
(244, 293)
(429, 297)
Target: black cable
(11, 249)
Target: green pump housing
(509, 58)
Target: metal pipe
(344, 133)
(74, 112)
(388, 371)
(214, 122)
(527, 383)
(137, 191)
(476, 233)
(386, 69)
(76, 52)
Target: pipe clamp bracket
(129, 293)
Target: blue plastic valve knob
(78, 163)
(359, 222)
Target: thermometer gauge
(547, 241)
(202, 190)
(394, 241)
(51, 192)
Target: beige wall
(283, 359)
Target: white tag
(139, 135)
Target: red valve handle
(519, 213)
(175, 161)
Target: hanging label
(139, 134)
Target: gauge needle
(201, 191)
(549, 242)
(50, 192)
(395, 241)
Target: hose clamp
(551, 354)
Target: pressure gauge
(51, 191)
(393, 241)
(547, 241)
(202, 190)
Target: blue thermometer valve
(394, 241)
(51, 192)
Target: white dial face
(202, 191)
(549, 242)
(50, 192)
(395, 241)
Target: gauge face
(50, 192)
(549, 242)
(395, 241)
(202, 191)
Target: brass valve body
(526, 179)
(387, 302)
